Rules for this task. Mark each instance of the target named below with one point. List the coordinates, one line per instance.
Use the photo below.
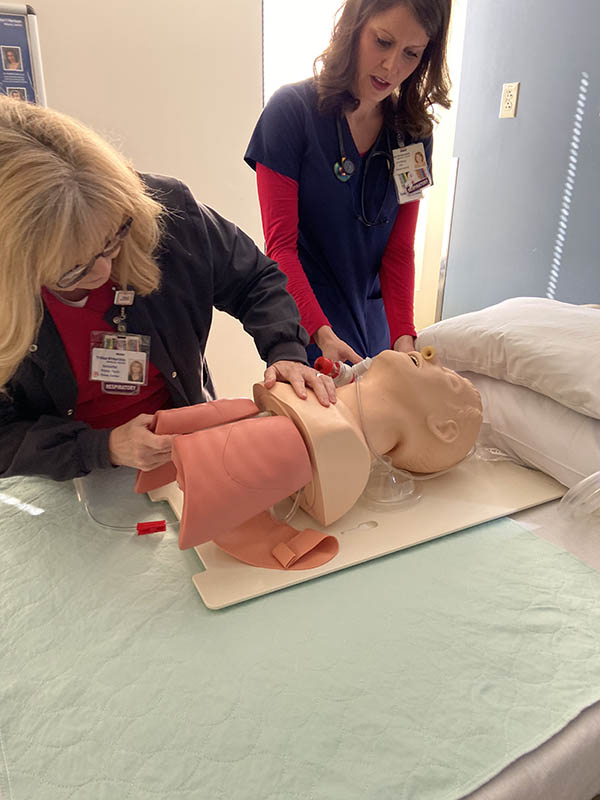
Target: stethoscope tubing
(345, 168)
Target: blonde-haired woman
(78, 225)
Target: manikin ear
(446, 430)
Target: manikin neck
(381, 432)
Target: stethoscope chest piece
(344, 169)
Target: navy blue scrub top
(341, 256)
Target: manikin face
(431, 414)
(390, 48)
(426, 382)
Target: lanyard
(123, 298)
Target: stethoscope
(345, 168)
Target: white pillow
(548, 346)
(537, 431)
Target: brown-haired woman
(322, 151)
(12, 59)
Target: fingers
(289, 371)
(152, 462)
(162, 443)
(299, 376)
(323, 387)
(351, 355)
(333, 347)
(270, 377)
(152, 450)
(134, 445)
(338, 350)
(143, 420)
(298, 384)
(404, 344)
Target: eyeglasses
(77, 273)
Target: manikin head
(423, 416)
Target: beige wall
(437, 203)
(178, 88)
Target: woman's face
(98, 275)
(10, 57)
(136, 371)
(390, 47)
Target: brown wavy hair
(409, 108)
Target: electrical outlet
(508, 102)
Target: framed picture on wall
(21, 75)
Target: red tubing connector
(155, 526)
(328, 367)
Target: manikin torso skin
(339, 455)
(423, 416)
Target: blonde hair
(64, 192)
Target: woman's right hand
(134, 445)
(333, 347)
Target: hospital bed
(467, 667)
(566, 765)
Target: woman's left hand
(300, 376)
(404, 344)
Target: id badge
(411, 173)
(119, 361)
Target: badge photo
(411, 174)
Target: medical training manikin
(233, 465)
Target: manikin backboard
(474, 492)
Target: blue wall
(527, 211)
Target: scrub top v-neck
(340, 255)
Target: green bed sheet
(416, 676)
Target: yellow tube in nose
(428, 352)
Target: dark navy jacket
(205, 261)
